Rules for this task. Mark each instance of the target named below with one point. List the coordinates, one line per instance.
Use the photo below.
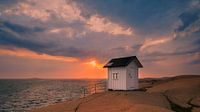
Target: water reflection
(27, 94)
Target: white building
(123, 73)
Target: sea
(21, 95)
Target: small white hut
(123, 73)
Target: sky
(75, 38)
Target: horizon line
(89, 78)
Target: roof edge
(133, 58)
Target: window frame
(115, 76)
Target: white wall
(132, 82)
(120, 83)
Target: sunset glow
(29, 54)
(75, 38)
(95, 64)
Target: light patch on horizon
(34, 55)
(97, 23)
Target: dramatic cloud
(10, 34)
(190, 20)
(65, 11)
(19, 28)
(33, 55)
(38, 10)
(76, 37)
(100, 24)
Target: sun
(94, 63)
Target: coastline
(166, 95)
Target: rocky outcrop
(182, 92)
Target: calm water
(22, 95)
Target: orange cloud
(153, 42)
(102, 24)
(34, 55)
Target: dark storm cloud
(20, 28)
(147, 16)
(187, 18)
(52, 49)
(9, 39)
(141, 15)
(62, 31)
(6, 2)
(186, 42)
(17, 36)
(197, 42)
(75, 52)
(70, 51)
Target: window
(115, 76)
(130, 75)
